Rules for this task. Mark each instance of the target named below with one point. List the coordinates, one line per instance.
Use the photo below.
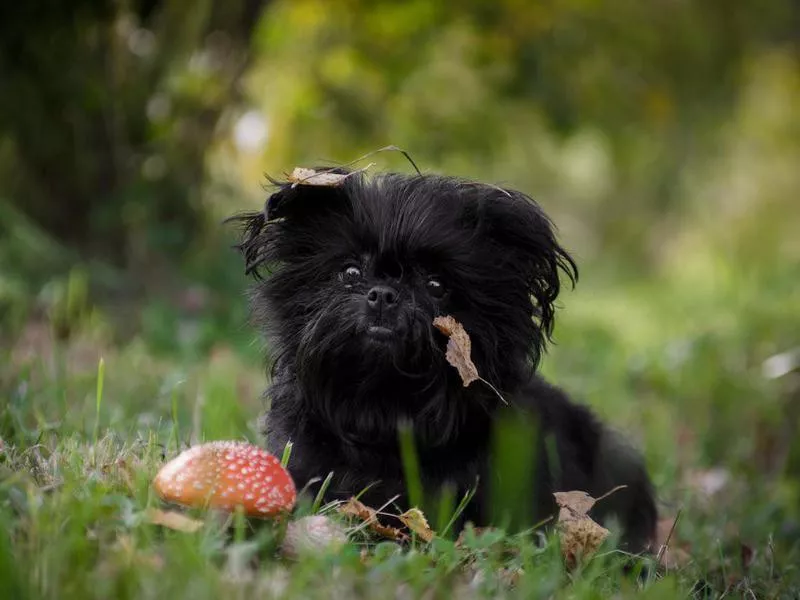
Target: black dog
(357, 273)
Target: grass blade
(465, 500)
(321, 493)
(287, 454)
(411, 470)
(101, 373)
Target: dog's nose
(381, 296)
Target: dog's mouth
(381, 333)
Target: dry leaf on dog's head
(303, 176)
(459, 348)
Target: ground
(706, 384)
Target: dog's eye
(351, 273)
(435, 287)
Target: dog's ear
(526, 238)
(290, 213)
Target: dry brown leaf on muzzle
(459, 348)
(458, 353)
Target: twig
(665, 546)
(494, 389)
(373, 518)
(390, 148)
(611, 491)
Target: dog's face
(359, 271)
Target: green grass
(85, 424)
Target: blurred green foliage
(106, 112)
(115, 117)
(601, 113)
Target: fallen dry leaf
(580, 539)
(573, 505)
(459, 348)
(172, 520)
(355, 508)
(415, 520)
(303, 176)
(580, 535)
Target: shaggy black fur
(355, 276)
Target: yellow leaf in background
(415, 520)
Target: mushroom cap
(226, 474)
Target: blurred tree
(106, 110)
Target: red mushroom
(225, 475)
